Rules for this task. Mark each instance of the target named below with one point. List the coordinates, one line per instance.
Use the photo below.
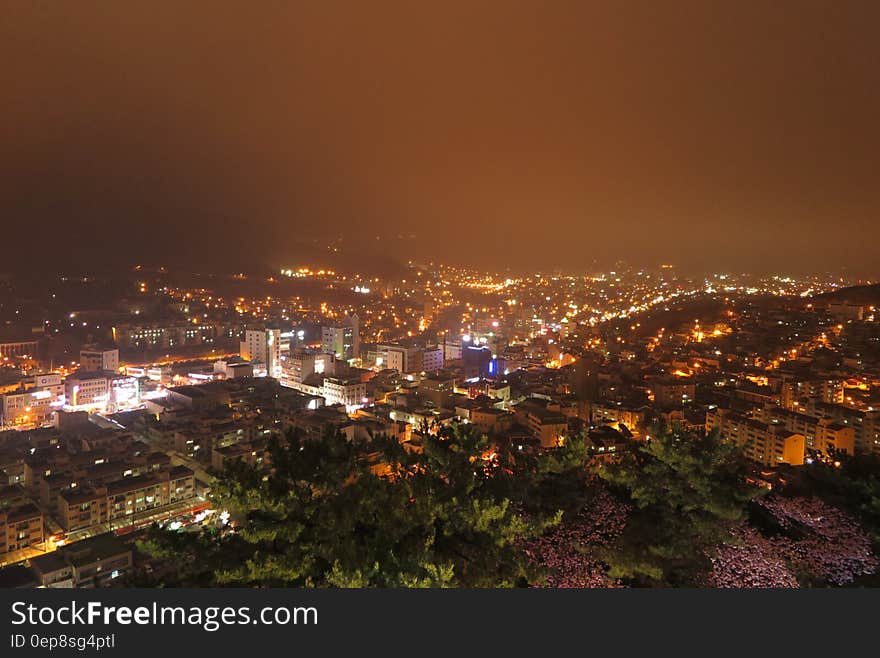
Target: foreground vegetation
(676, 511)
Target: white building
(409, 359)
(300, 364)
(342, 340)
(92, 358)
(28, 408)
(432, 359)
(350, 392)
(86, 389)
(263, 346)
(231, 370)
(51, 382)
(451, 349)
(32, 405)
(123, 392)
(391, 357)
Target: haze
(498, 134)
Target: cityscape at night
(479, 295)
(136, 405)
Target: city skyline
(131, 401)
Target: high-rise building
(432, 359)
(263, 346)
(476, 361)
(452, 348)
(300, 364)
(402, 358)
(342, 340)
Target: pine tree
(334, 513)
(686, 493)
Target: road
(198, 468)
(119, 526)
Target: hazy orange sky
(504, 134)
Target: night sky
(529, 135)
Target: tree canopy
(332, 512)
(686, 493)
(673, 511)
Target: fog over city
(540, 136)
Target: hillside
(869, 294)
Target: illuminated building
(834, 437)
(20, 527)
(432, 359)
(793, 391)
(263, 346)
(79, 509)
(438, 389)
(778, 447)
(86, 389)
(49, 382)
(87, 563)
(169, 334)
(476, 361)
(231, 370)
(406, 358)
(300, 364)
(100, 390)
(34, 406)
(822, 434)
(350, 392)
(137, 494)
(865, 423)
(792, 421)
(342, 340)
(18, 348)
(497, 367)
(544, 420)
(632, 418)
(673, 392)
(325, 364)
(452, 348)
(251, 453)
(93, 358)
(122, 496)
(491, 420)
(124, 393)
(767, 444)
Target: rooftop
(93, 549)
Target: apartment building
(20, 527)
(764, 443)
(88, 563)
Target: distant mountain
(380, 258)
(853, 295)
